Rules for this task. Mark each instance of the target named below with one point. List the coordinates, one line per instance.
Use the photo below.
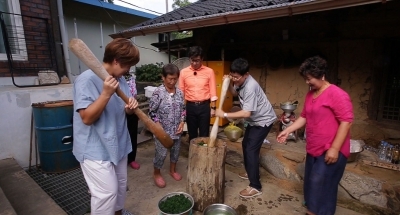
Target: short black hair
(169, 69)
(195, 51)
(240, 65)
(316, 67)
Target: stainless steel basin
(219, 209)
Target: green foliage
(181, 35)
(175, 204)
(180, 3)
(149, 72)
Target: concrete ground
(144, 195)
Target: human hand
(225, 77)
(212, 113)
(331, 156)
(219, 113)
(180, 128)
(281, 138)
(110, 84)
(132, 104)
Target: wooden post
(206, 173)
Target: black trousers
(198, 120)
(251, 145)
(132, 121)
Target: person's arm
(182, 119)
(131, 106)
(90, 114)
(332, 153)
(299, 123)
(232, 89)
(154, 104)
(235, 115)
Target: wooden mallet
(79, 48)
(214, 130)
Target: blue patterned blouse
(167, 109)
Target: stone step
(5, 206)
(22, 192)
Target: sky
(155, 5)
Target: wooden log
(206, 173)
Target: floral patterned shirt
(132, 85)
(168, 109)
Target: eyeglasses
(235, 78)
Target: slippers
(134, 165)
(176, 176)
(159, 181)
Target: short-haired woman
(327, 115)
(167, 108)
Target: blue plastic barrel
(53, 126)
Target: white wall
(89, 31)
(15, 117)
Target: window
(391, 92)
(10, 10)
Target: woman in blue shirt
(101, 138)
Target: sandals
(176, 176)
(159, 181)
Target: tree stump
(206, 173)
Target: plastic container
(148, 91)
(53, 126)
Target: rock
(365, 189)
(300, 169)
(272, 162)
(298, 158)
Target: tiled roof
(204, 13)
(210, 7)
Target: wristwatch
(225, 115)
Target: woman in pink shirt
(327, 115)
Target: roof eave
(229, 18)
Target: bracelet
(214, 108)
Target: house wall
(38, 55)
(15, 115)
(93, 28)
(350, 39)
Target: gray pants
(161, 153)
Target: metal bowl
(353, 156)
(288, 108)
(189, 211)
(356, 147)
(219, 209)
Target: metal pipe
(64, 39)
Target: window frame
(16, 21)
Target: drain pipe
(64, 39)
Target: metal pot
(354, 155)
(220, 209)
(188, 212)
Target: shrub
(149, 72)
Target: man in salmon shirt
(197, 83)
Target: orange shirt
(199, 87)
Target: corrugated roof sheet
(210, 8)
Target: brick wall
(35, 15)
